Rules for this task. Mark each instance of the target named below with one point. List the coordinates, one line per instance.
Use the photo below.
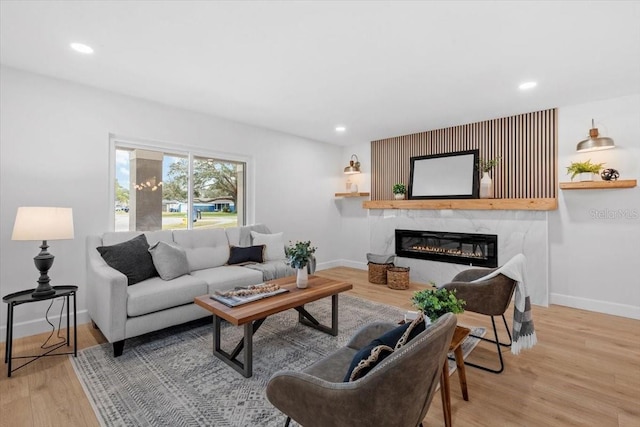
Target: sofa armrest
(106, 294)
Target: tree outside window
(154, 195)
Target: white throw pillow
(274, 244)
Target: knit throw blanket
(524, 335)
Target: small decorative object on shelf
(399, 190)
(584, 170)
(610, 175)
(436, 302)
(486, 183)
(298, 257)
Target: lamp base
(42, 291)
(43, 263)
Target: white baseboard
(39, 326)
(623, 310)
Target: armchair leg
(497, 343)
(286, 424)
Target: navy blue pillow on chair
(380, 348)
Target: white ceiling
(379, 68)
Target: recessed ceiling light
(82, 48)
(527, 85)
(340, 128)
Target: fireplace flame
(444, 251)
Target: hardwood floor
(585, 370)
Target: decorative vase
(398, 196)
(302, 277)
(486, 186)
(585, 176)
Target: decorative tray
(243, 295)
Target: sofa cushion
(240, 255)
(131, 258)
(228, 277)
(153, 237)
(377, 350)
(156, 294)
(170, 260)
(274, 244)
(205, 248)
(241, 236)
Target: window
(156, 189)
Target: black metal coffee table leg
(246, 367)
(307, 319)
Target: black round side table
(25, 297)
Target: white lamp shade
(43, 223)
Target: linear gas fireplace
(459, 248)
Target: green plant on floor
(576, 168)
(436, 302)
(485, 165)
(399, 188)
(298, 254)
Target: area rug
(170, 377)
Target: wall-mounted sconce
(354, 166)
(595, 142)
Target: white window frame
(189, 152)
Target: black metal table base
(23, 297)
(245, 367)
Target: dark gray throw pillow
(170, 260)
(239, 255)
(131, 258)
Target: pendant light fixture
(354, 166)
(594, 142)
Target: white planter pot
(486, 186)
(585, 176)
(302, 277)
(398, 196)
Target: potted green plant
(485, 165)
(298, 256)
(584, 170)
(436, 302)
(399, 190)
(486, 183)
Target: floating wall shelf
(549, 204)
(352, 194)
(598, 185)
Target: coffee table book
(234, 301)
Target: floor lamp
(43, 223)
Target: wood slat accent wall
(526, 144)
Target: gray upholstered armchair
(397, 392)
(490, 297)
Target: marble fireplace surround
(519, 231)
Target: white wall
(355, 234)
(54, 151)
(594, 235)
(592, 262)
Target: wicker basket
(378, 273)
(398, 277)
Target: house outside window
(157, 189)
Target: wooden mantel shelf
(598, 185)
(469, 204)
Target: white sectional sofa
(122, 310)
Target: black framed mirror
(445, 176)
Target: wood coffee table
(252, 314)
